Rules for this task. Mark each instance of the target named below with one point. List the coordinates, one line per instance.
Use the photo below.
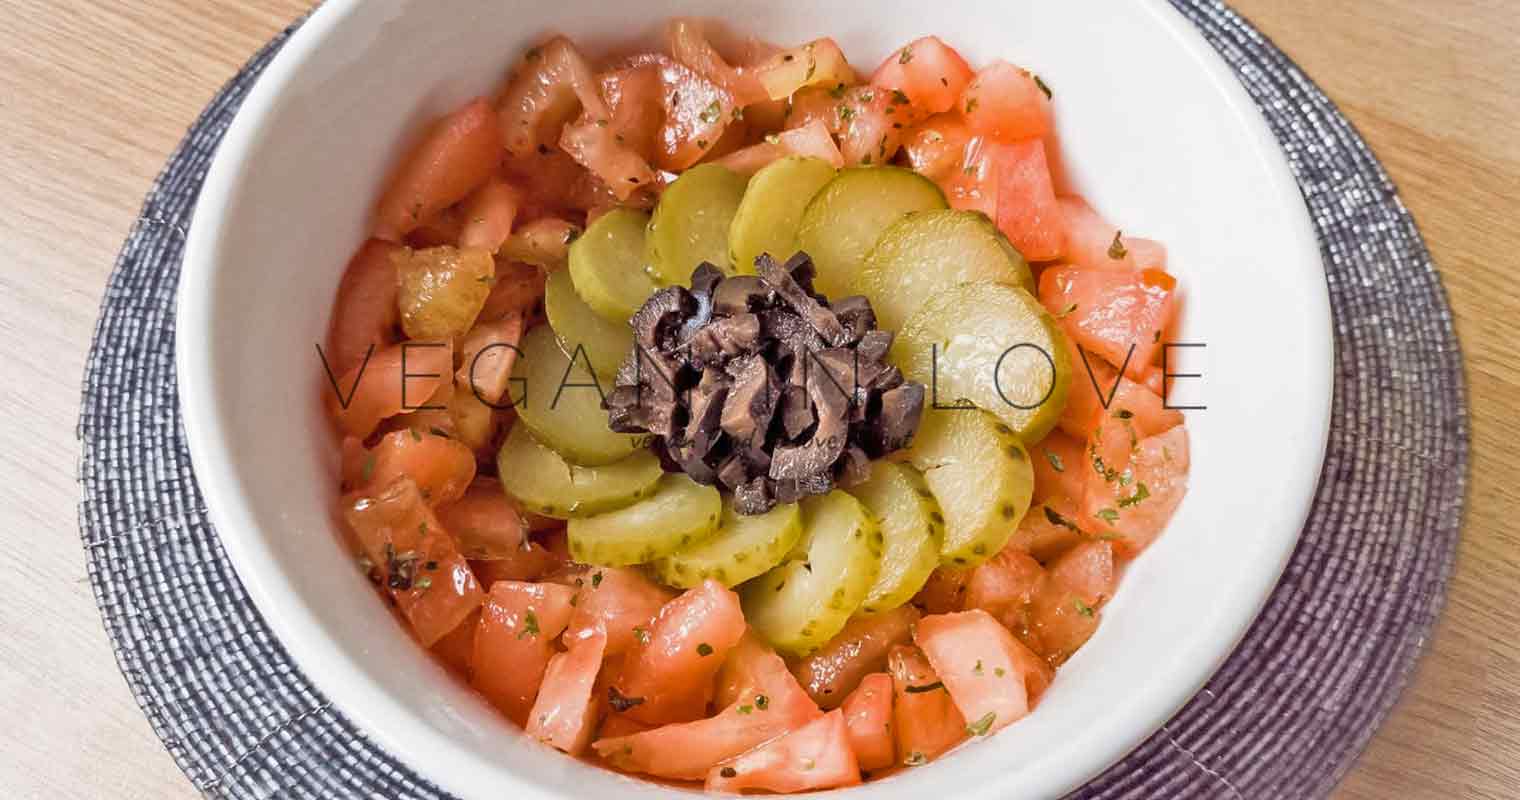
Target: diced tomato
(441, 467)
(944, 591)
(1006, 103)
(868, 718)
(817, 104)
(365, 314)
(615, 601)
(673, 663)
(519, 289)
(565, 714)
(689, 46)
(488, 215)
(973, 184)
(547, 88)
(812, 139)
(400, 377)
(531, 564)
(769, 704)
(925, 719)
(591, 141)
(1027, 212)
(815, 756)
(928, 71)
(1138, 510)
(475, 424)
(696, 113)
(1057, 622)
(459, 154)
(1058, 465)
(515, 640)
(441, 229)
(1155, 380)
(1092, 239)
(1088, 571)
(1052, 526)
(1004, 584)
(836, 668)
(1109, 313)
(633, 94)
(993, 679)
(457, 647)
(616, 726)
(488, 353)
(753, 667)
(1146, 253)
(415, 559)
(487, 525)
(553, 184)
(936, 146)
(817, 63)
(870, 122)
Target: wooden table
(93, 96)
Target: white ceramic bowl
(1157, 133)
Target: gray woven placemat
(1284, 717)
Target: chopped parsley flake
(530, 625)
(999, 671)
(926, 687)
(621, 702)
(915, 759)
(837, 92)
(971, 105)
(423, 582)
(704, 649)
(981, 726)
(977, 670)
(745, 709)
(596, 580)
(729, 772)
(1108, 515)
(1141, 492)
(641, 633)
(1044, 87)
(1055, 461)
(1070, 307)
(713, 111)
(762, 702)
(1082, 608)
(368, 471)
(1117, 250)
(905, 56)
(416, 435)
(900, 97)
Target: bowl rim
(375, 713)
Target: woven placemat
(1283, 718)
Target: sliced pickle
(576, 325)
(771, 213)
(561, 402)
(979, 473)
(912, 526)
(543, 483)
(803, 603)
(690, 224)
(848, 215)
(680, 513)
(927, 252)
(991, 346)
(743, 547)
(607, 264)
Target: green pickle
(575, 325)
(607, 264)
(543, 483)
(680, 513)
(981, 477)
(690, 225)
(743, 547)
(913, 529)
(770, 215)
(560, 401)
(846, 218)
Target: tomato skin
(931, 73)
(460, 153)
(441, 467)
(993, 679)
(402, 538)
(488, 215)
(688, 750)
(1109, 312)
(667, 666)
(927, 722)
(836, 668)
(1004, 102)
(815, 756)
(381, 387)
(515, 640)
(868, 718)
(365, 314)
(1027, 212)
(564, 715)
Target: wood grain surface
(94, 95)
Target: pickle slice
(536, 477)
(743, 547)
(993, 346)
(848, 215)
(927, 252)
(680, 512)
(912, 526)
(981, 477)
(801, 604)
(607, 264)
(770, 214)
(690, 223)
(576, 325)
(560, 401)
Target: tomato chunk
(486, 524)
(415, 559)
(401, 377)
(1052, 525)
(614, 601)
(936, 147)
(515, 641)
(1118, 315)
(565, 714)
(365, 314)
(488, 215)
(1027, 212)
(944, 591)
(931, 73)
(456, 649)
(1058, 466)
(993, 679)
(545, 90)
(815, 756)
(674, 661)
(769, 705)
(836, 668)
(868, 718)
(1137, 510)
(817, 63)
(689, 45)
(812, 139)
(1004, 585)
(460, 153)
(441, 467)
(1006, 103)
(926, 720)
(1088, 571)
(488, 353)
